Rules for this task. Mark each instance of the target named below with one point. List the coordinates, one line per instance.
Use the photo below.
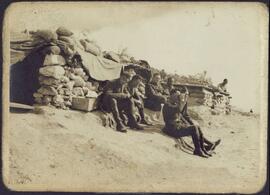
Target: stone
(72, 75)
(67, 98)
(77, 91)
(43, 80)
(79, 82)
(64, 107)
(47, 100)
(67, 91)
(68, 74)
(68, 103)
(52, 71)
(64, 79)
(69, 85)
(85, 77)
(59, 86)
(79, 72)
(61, 91)
(47, 90)
(84, 104)
(37, 95)
(38, 100)
(52, 60)
(58, 99)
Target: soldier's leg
(140, 108)
(195, 135)
(208, 145)
(111, 105)
(128, 105)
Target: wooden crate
(84, 104)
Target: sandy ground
(71, 151)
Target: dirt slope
(70, 150)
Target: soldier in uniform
(169, 85)
(133, 88)
(117, 99)
(179, 124)
(155, 95)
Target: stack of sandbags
(221, 103)
(208, 99)
(66, 42)
(60, 83)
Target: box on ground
(84, 104)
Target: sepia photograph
(167, 97)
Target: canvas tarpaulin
(100, 68)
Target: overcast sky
(223, 39)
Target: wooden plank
(20, 106)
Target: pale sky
(223, 39)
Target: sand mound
(69, 150)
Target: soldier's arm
(109, 91)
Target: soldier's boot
(133, 124)
(119, 125)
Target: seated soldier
(169, 85)
(154, 92)
(133, 88)
(179, 124)
(130, 70)
(222, 86)
(117, 99)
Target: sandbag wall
(61, 77)
(221, 103)
(60, 83)
(200, 95)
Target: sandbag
(79, 82)
(66, 39)
(47, 90)
(63, 31)
(49, 81)
(51, 60)
(46, 35)
(112, 56)
(67, 48)
(91, 47)
(52, 71)
(54, 49)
